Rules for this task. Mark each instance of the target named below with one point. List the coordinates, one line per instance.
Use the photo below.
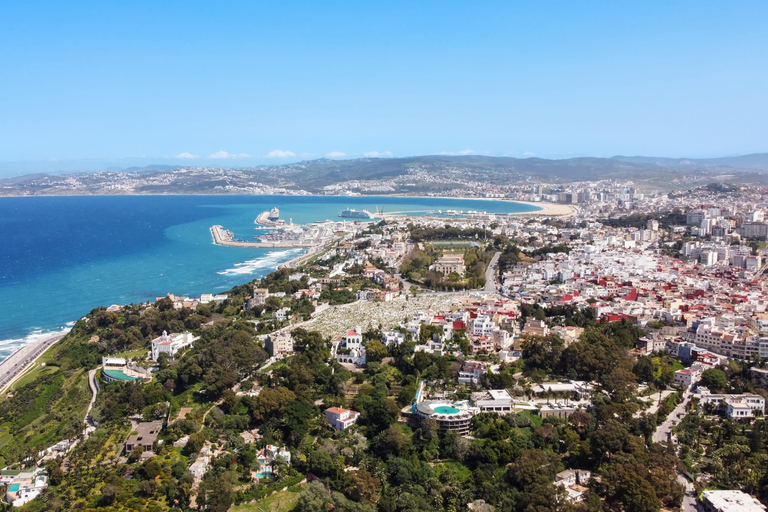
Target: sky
(91, 85)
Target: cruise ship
(356, 214)
(274, 215)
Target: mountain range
(430, 173)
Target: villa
(23, 486)
(341, 419)
(171, 344)
(266, 456)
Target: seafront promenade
(20, 361)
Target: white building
(341, 419)
(350, 349)
(171, 343)
(390, 337)
(734, 406)
(282, 314)
(24, 486)
(686, 377)
(730, 501)
(494, 400)
(482, 326)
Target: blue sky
(85, 85)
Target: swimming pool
(446, 409)
(117, 375)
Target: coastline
(25, 358)
(19, 341)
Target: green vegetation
(282, 501)
(381, 463)
(416, 265)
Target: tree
(620, 384)
(644, 369)
(715, 379)
(314, 498)
(375, 351)
(542, 352)
(196, 442)
(364, 487)
(270, 402)
(135, 453)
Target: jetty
(226, 238)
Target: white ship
(356, 214)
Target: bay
(60, 257)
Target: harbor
(226, 238)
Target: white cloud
(279, 153)
(336, 154)
(225, 155)
(377, 154)
(462, 152)
(186, 156)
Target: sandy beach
(548, 209)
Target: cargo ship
(356, 214)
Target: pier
(226, 238)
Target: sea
(60, 257)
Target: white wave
(271, 260)
(9, 346)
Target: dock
(226, 238)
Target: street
(662, 434)
(490, 274)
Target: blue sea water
(60, 257)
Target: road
(662, 431)
(490, 274)
(89, 423)
(23, 359)
(662, 434)
(403, 281)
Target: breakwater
(226, 238)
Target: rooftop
(732, 501)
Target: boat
(274, 214)
(356, 214)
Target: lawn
(33, 374)
(283, 501)
(133, 354)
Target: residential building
(145, 436)
(279, 344)
(259, 298)
(171, 344)
(686, 377)
(472, 372)
(24, 486)
(730, 501)
(266, 457)
(494, 400)
(341, 419)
